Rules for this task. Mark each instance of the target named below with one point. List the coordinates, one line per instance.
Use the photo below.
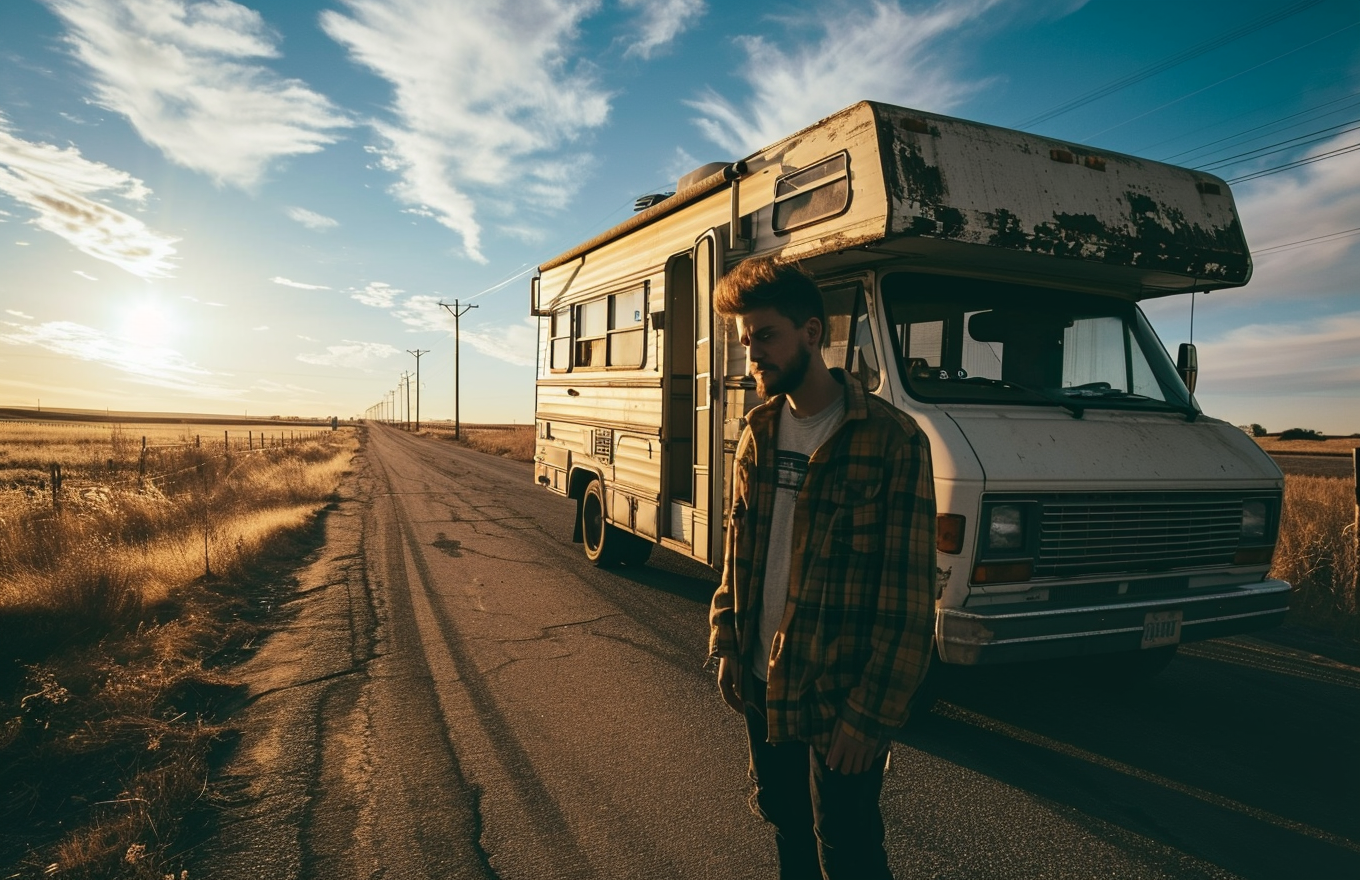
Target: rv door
(709, 363)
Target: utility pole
(457, 311)
(406, 380)
(417, 354)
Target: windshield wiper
(1051, 396)
(1112, 394)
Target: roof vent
(699, 174)
(642, 203)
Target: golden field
(122, 596)
(507, 441)
(1330, 446)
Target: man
(822, 624)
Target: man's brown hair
(761, 282)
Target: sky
(257, 207)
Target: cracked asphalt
(454, 692)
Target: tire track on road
(533, 798)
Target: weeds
(117, 606)
(513, 441)
(1317, 553)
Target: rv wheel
(605, 544)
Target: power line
(1332, 154)
(1174, 156)
(1308, 242)
(1166, 64)
(1222, 81)
(1281, 146)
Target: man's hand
(729, 674)
(850, 755)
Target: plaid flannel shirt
(856, 633)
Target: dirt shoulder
(321, 641)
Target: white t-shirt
(798, 440)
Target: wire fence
(159, 464)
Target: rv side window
(848, 341)
(610, 331)
(560, 355)
(813, 193)
(626, 340)
(592, 333)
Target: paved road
(457, 693)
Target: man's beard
(785, 379)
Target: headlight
(1006, 528)
(1255, 518)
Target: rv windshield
(969, 341)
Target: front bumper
(974, 637)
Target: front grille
(1093, 534)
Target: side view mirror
(1187, 364)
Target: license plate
(1161, 628)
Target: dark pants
(826, 824)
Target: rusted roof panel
(951, 181)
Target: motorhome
(985, 281)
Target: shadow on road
(1247, 765)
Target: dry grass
(508, 441)
(1332, 445)
(1317, 553)
(117, 607)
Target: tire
(608, 545)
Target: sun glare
(149, 323)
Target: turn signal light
(1003, 572)
(949, 532)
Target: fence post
(141, 466)
(56, 486)
(198, 441)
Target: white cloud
(217, 305)
(1318, 357)
(18, 314)
(270, 387)
(424, 313)
(1312, 201)
(59, 184)
(261, 327)
(378, 294)
(288, 282)
(350, 354)
(680, 164)
(531, 235)
(513, 343)
(187, 75)
(880, 51)
(312, 220)
(661, 22)
(147, 364)
(485, 102)
(86, 275)
(305, 338)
